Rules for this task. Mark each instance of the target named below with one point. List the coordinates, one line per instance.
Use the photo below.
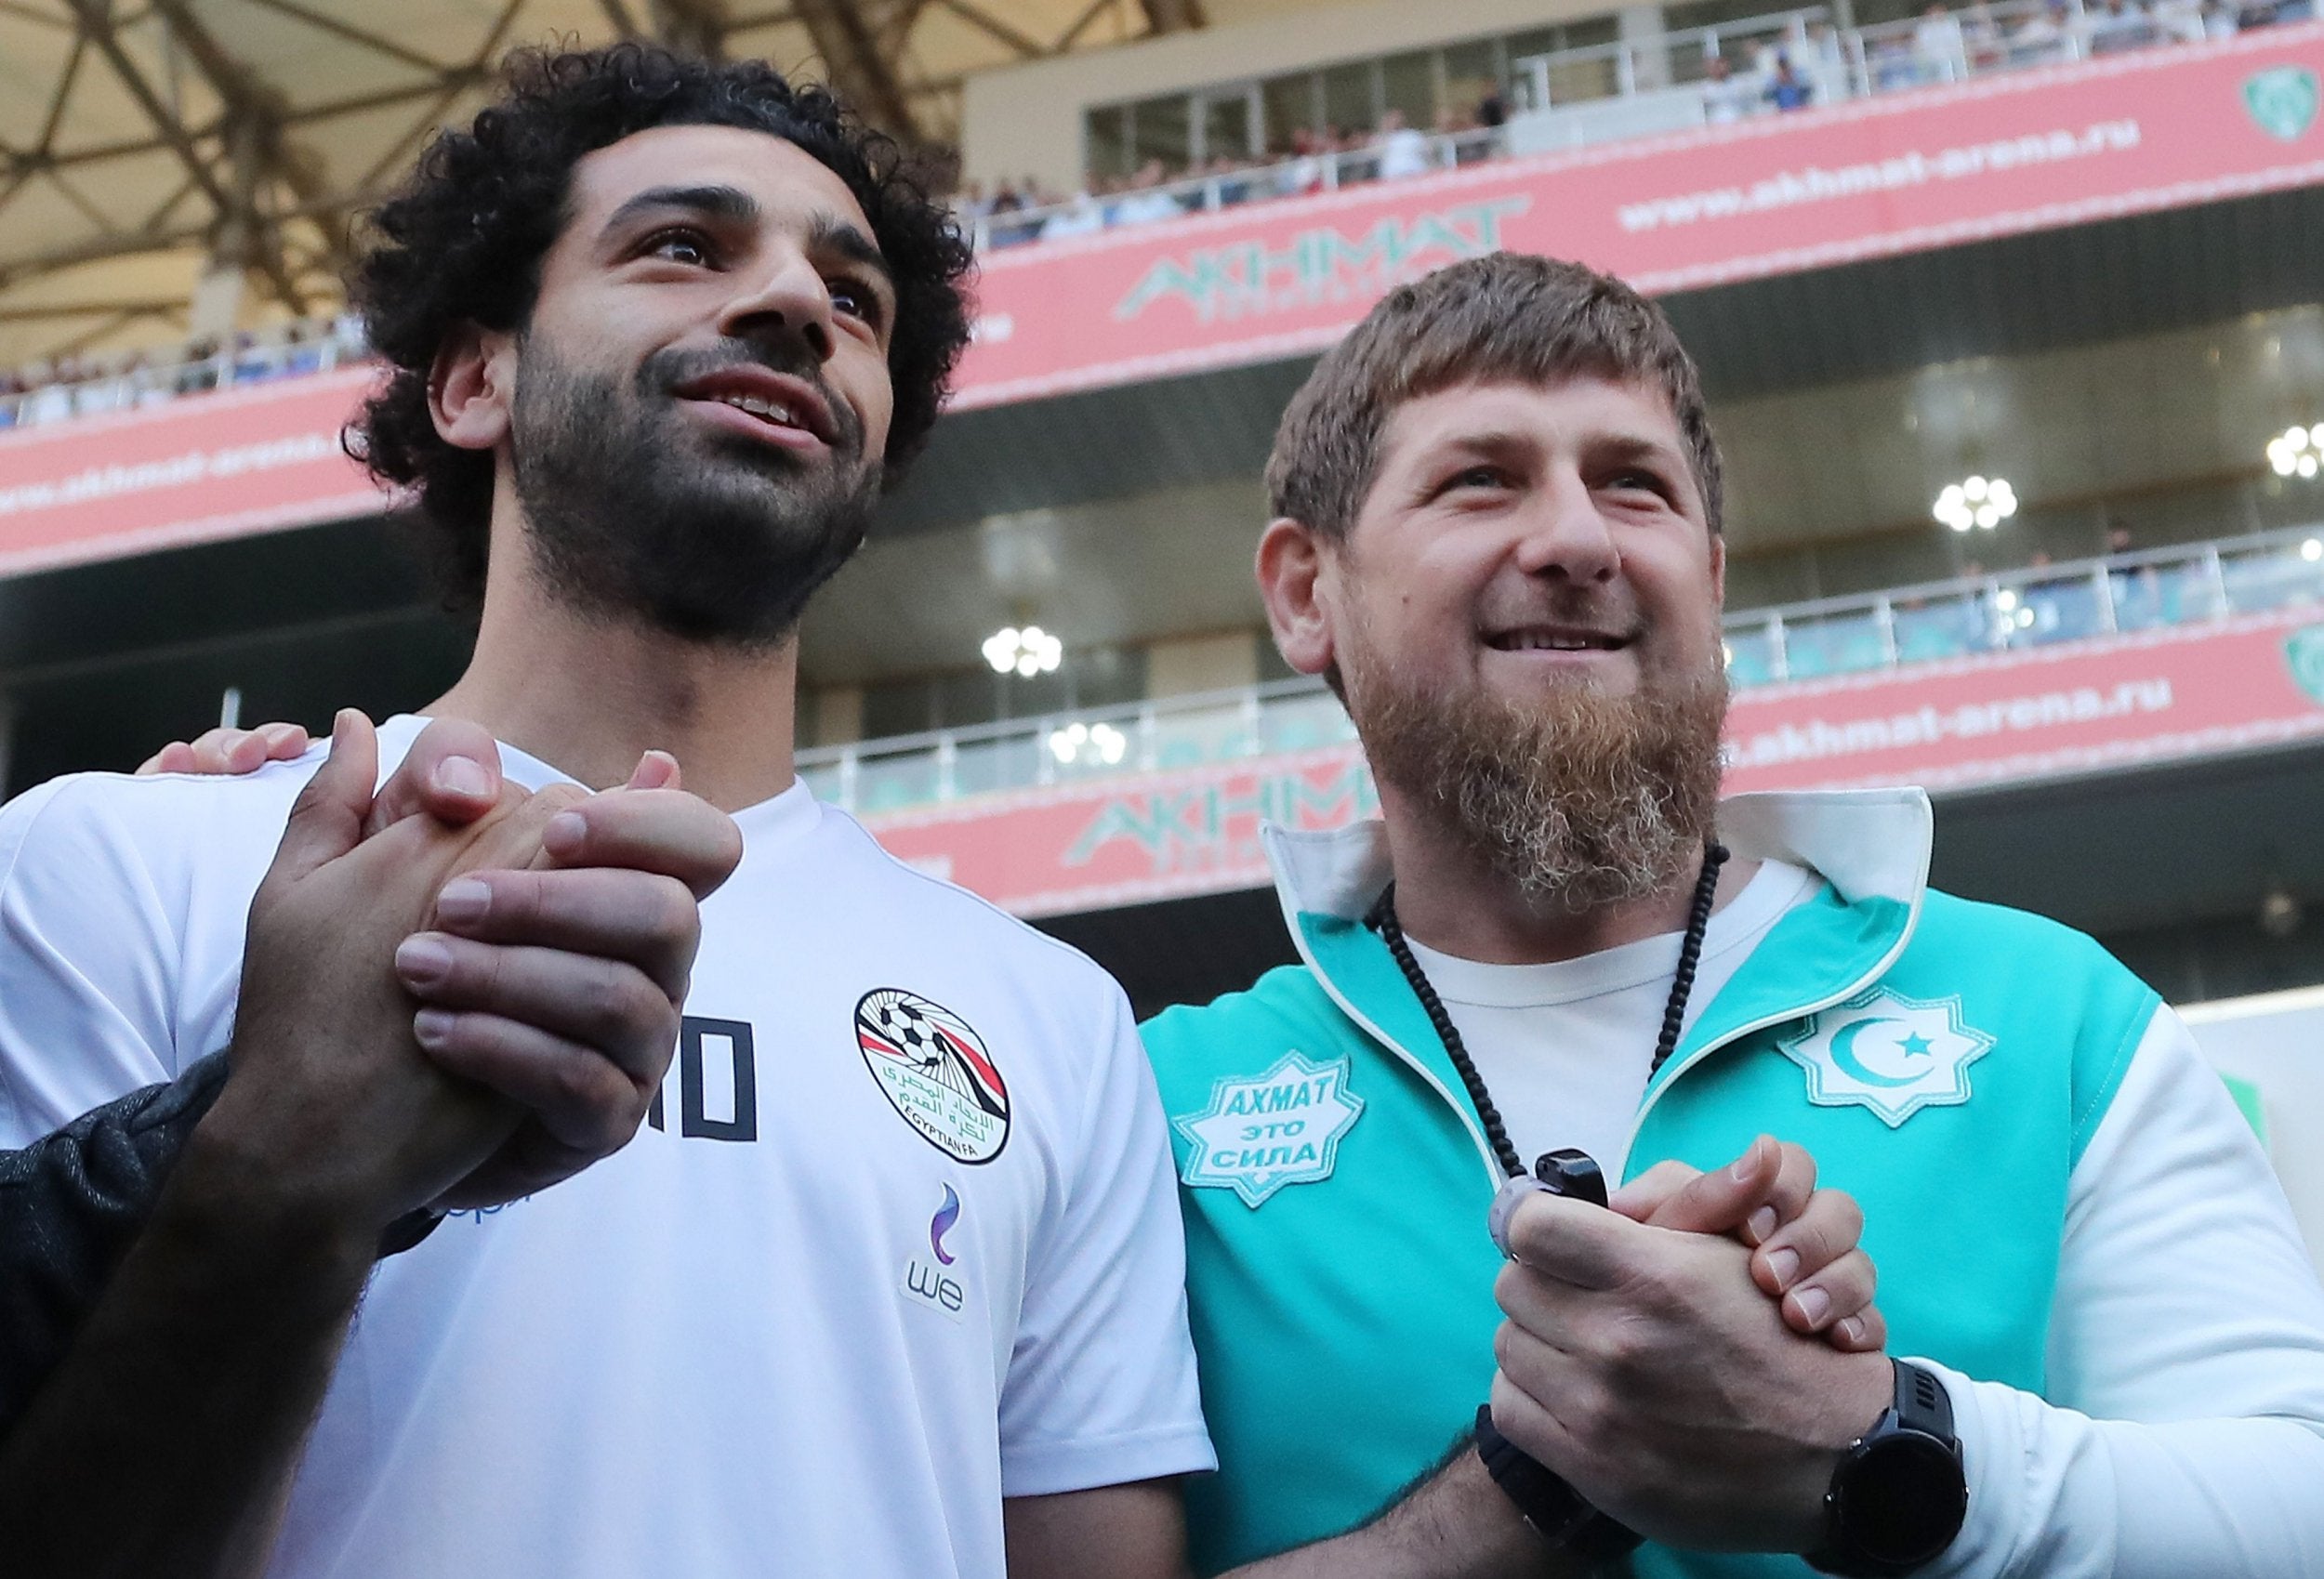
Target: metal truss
(260, 178)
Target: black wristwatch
(1562, 1514)
(1899, 1496)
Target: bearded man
(1496, 536)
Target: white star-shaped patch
(1892, 1054)
(1260, 1134)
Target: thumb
(326, 821)
(451, 772)
(1720, 1201)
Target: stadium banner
(199, 467)
(2006, 717)
(2016, 151)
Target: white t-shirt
(901, 1240)
(1565, 1050)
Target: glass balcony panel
(1198, 735)
(1950, 626)
(822, 781)
(892, 782)
(2065, 609)
(981, 767)
(1302, 723)
(2279, 576)
(1842, 643)
(1750, 657)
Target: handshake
(456, 992)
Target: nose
(1564, 535)
(786, 301)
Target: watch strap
(1548, 1501)
(1919, 1406)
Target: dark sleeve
(70, 1205)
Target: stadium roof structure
(146, 144)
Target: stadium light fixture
(1029, 651)
(1976, 504)
(2297, 452)
(1088, 743)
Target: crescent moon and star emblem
(1890, 1053)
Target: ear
(471, 386)
(1294, 572)
(1719, 571)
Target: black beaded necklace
(1383, 917)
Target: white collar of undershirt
(1775, 888)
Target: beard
(637, 515)
(1575, 797)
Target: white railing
(1834, 635)
(1571, 96)
(308, 346)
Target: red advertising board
(2157, 696)
(2018, 151)
(205, 466)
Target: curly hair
(463, 240)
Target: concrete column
(1188, 666)
(1635, 24)
(838, 715)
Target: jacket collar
(1870, 847)
(1867, 844)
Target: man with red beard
(1497, 535)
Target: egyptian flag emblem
(936, 1071)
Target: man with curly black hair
(899, 1241)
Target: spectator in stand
(1938, 45)
(1824, 61)
(2222, 18)
(52, 396)
(1492, 110)
(2180, 22)
(11, 398)
(1981, 37)
(1726, 100)
(2041, 37)
(2116, 26)
(1787, 91)
(1304, 172)
(1402, 148)
(1143, 201)
(1082, 216)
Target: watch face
(1904, 1500)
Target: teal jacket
(1945, 1061)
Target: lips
(1556, 638)
(776, 399)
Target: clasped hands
(1694, 1361)
(454, 992)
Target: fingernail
(462, 775)
(422, 959)
(432, 1027)
(1851, 1328)
(341, 722)
(1784, 1264)
(464, 898)
(1761, 1223)
(1744, 1168)
(1813, 1302)
(566, 833)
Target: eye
(1475, 477)
(855, 299)
(1635, 480)
(683, 244)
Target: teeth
(758, 407)
(1529, 642)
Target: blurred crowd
(1015, 212)
(85, 386)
